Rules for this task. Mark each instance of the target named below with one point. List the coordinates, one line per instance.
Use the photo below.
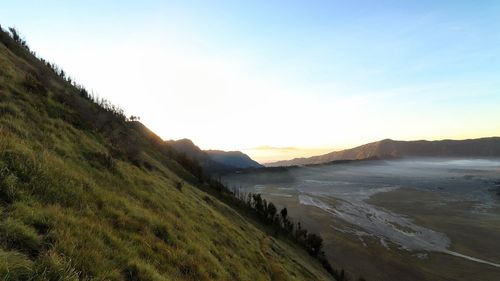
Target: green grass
(71, 209)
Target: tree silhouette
(314, 243)
(271, 211)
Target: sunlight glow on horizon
(268, 154)
(318, 77)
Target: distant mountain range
(214, 161)
(386, 149)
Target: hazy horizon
(268, 154)
(316, 77)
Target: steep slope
(86, 194)
(384, 149)
(214, 161)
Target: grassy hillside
(86, 194)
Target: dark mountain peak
(214, 161)
(185, 141)
(187, 147)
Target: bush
(33, 216)
(161, 232)
(190, 269)
(138, 271)
(8, 191)
(19, 164)
(32, 84)
(100, 159)
(15, 35)
(8, 109)
(54, 267)
(14, 266)
(178, 185)
(314, 243)
(16, 235)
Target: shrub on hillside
(32, 84)
(314, 244)
(15, 35)
(100, 160)
(8, 109)
(8, 190)
(138, 271)
(14, 266)
(15, 235)
(178, 185)
(54, 267)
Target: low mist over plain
(409, 210)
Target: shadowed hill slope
(214, 161)
(86, 194)
(385, 149)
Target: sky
(280, 79)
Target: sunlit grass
(71, 211)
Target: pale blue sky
(316, 74)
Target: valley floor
(418, 220)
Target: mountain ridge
(214, 161)
(388, 148)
